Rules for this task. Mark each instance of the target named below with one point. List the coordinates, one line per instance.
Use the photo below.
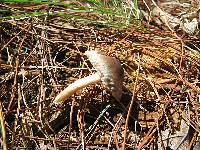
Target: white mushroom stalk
(109, 72)
(76, 86)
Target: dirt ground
(40, 56)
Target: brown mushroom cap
(110, 71)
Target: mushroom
(109, 72)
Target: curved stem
(77, 85)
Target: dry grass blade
(3, 130)
(130, 106)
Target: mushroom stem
(77, 85)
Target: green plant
(116, 13)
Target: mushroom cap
(110, 71)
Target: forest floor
(42, 52)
